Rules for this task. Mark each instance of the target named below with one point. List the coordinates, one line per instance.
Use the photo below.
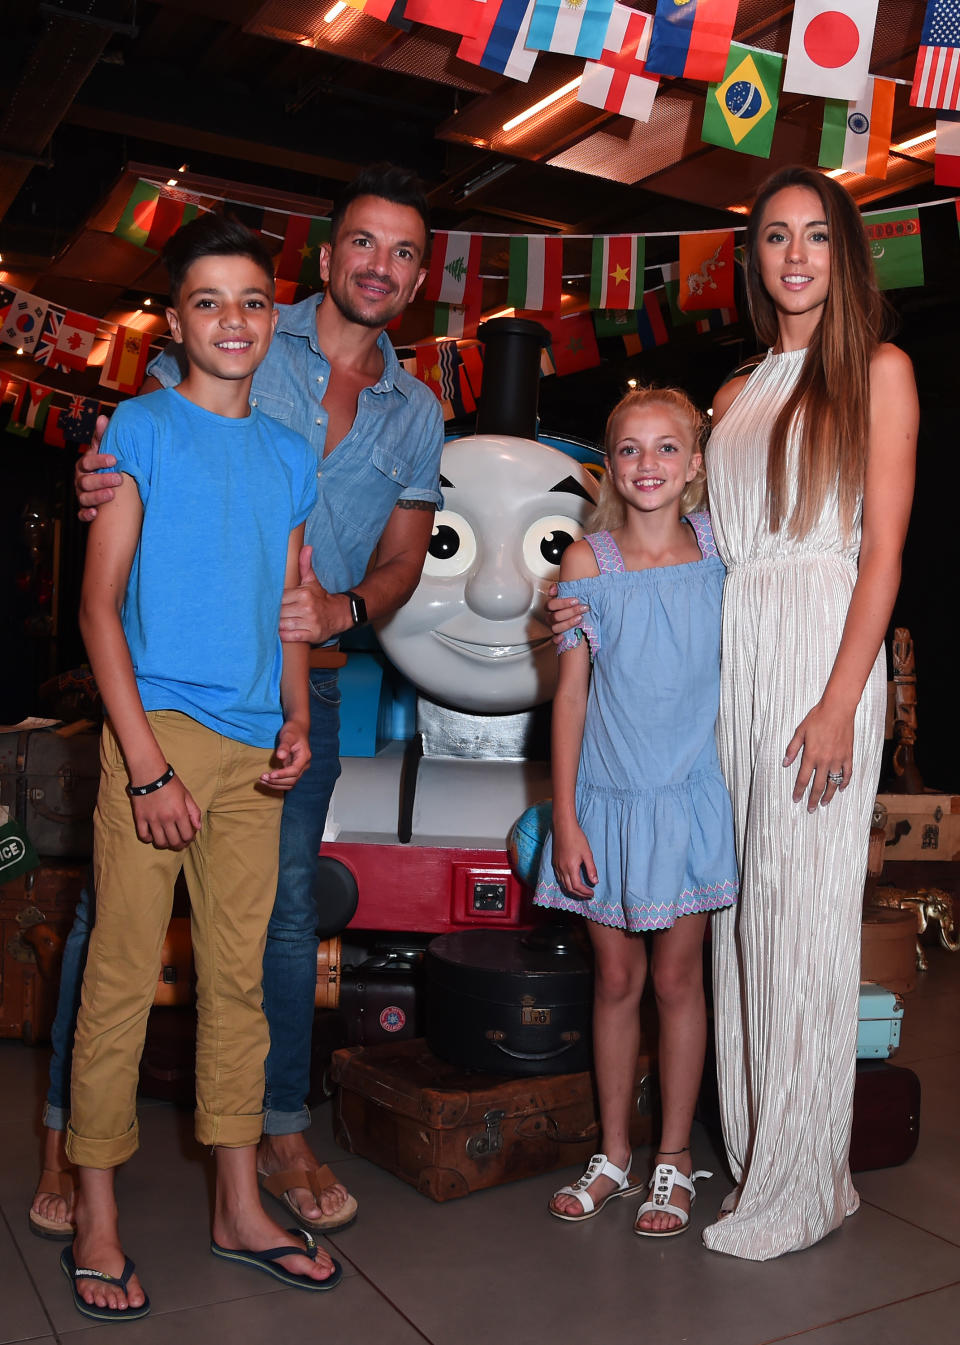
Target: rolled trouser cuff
(104, 1153)
(230, 1132)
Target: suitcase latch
(491, 1142)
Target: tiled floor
(494, 1267)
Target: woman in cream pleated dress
(810, 471)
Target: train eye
(545, 542)
(452, 548)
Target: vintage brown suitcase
(888, 948)
(448, 1132)
(49, 780)
(886, 1116)
(36, 912)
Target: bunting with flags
(856, 136)
(741, 110)
(896, 247)
(692, 40)
(24, 321)
(79, 420)
(619, 81)
(134, 224)
(75, 337)
(36, 406)
(299, 258)
(500, 43)
(706, 271)
(829, 51)
(169, 214)
(387, 11)
(936, 78)
(946, 161)
(465, 17)
(472, 362)
(716, 319)
(536, 272)
(454, 275)
(573, 344)
(126, 360)
(576, 27)
(616, 274)
(52, 433)
(671, 288)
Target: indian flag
(856, 136)
(616, 276)
(536, 273)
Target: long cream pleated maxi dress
(786, 960)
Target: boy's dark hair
(391, 183)
(212, 235)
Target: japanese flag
(830, 46)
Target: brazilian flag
(742, 109)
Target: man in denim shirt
(332, 375)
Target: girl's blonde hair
(611, 509)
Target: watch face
(358, 609)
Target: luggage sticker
(392, 1018)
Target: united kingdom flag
(46, 351)
(79, 420)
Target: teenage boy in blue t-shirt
(181, 597)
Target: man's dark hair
(212, 235)
(391, 183)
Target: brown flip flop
(53, 1183)
(316, 1180)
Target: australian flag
(79, 420)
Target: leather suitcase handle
(533, 1125)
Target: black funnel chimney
(511, 376)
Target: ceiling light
(917, 140)
(184, 168)
(631, 382)
(171, 181)
(335, 11)
(739, 209)
(19, 350)
(550, 99)
(503, 313)
(841, 172)
(147, 303)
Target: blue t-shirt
(390, 453)
(220, 499)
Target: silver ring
(835, 776)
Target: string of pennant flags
(696, 290)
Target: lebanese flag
(536, 273)
(454, 275)
(576, 27)
(706, 271)
(692, 41)
(829, 52)
(75, 340)
(936, 79)
(126, 360)
(616, 275)
(946, 162)
(618, 82)
(500, 44)
(856, 136)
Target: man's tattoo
(416, 504)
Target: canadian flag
(830, 46)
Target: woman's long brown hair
(830, 403)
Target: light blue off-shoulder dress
(650, 796)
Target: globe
(525, 841)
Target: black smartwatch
(358, 608)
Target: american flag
(936, 80)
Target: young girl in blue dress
(642, 828)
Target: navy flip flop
(266, 1261)
(74, 1273)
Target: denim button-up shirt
(391, 453)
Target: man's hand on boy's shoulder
(92, 486)
(292, 753)
(168, 818)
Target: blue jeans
(290, 956)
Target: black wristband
(138, 791)
(358, 608)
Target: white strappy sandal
(665, 1178)
(599, 1166)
